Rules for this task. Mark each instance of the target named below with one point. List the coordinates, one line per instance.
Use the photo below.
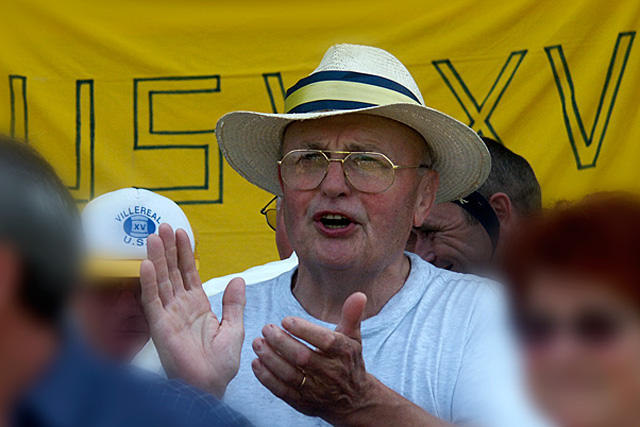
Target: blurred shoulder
(180, 404)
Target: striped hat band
(345, 90)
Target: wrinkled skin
(447, 239)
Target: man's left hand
(331, 381)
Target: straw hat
(364, 80)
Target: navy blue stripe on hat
(352, 76)
(329, 104)
(481, 209)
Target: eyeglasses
(270, 212)
(365, 171)
(590, 328)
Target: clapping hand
(192, 343)
(329, 381)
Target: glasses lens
(303, 170)
(536, 329)
(270, 215)
(596, 328)
(369, 172)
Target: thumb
(233, 303)
(352, 312)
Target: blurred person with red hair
(575, 275)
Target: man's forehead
(444, 215)
(354, 132)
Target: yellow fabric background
(73, 55)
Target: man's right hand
(193, 345)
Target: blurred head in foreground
(116, 226)
(40, 245)
(468, 235)
(576, 290)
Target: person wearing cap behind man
(116, 226)
(468, 235)
(360, 333)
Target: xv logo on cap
(139, 223)
(139, 226)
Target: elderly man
(468, 235)
(366, 329)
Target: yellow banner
(121, 94)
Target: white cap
(116, 226)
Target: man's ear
(9, 275)
(426, 196)
(501, 204)
(280, 180)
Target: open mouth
(335, 221)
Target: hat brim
(103, 268)
(251, 143)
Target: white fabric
(116, 224)
(442, 342)
(148, 358)
(253, 275)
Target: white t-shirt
(148, 357)
(253, 275)
(442, 342)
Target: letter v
(584, 149)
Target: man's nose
(335, 182)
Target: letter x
(479, 115)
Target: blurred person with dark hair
(468, 235)
(574, 273)
(47, 376)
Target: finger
(273, 383)
(318, 336)
(149, 286)
(171, 255)
(288, 347)
(233, 303)
(352, 313)
(276, 364)
(187, 262)
(155, 251)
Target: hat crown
(368, 60)
(116, 224)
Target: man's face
(447, 240)
(111, 314)
(378, 223)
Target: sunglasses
(270, 212)
(590, 328)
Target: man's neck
(322, 291)
(27, 347)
